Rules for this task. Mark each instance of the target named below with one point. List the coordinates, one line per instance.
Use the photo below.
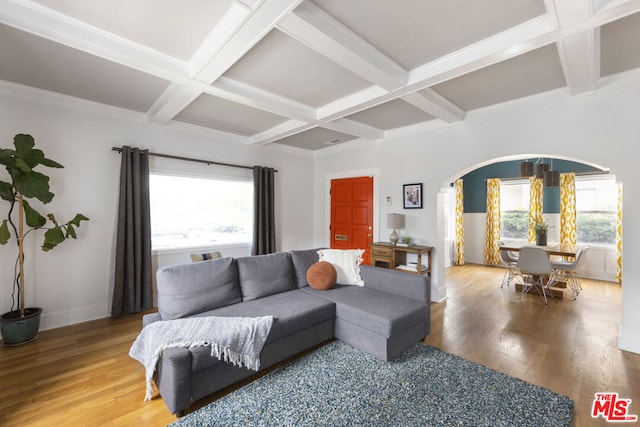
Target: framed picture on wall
(412, 196)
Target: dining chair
(511, 259)
(567, 271)
(535, 270)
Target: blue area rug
(339, 385)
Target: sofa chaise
(383, 318)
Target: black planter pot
(18, 330)
(541, 240)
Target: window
(514, 210)
(596, 210)
(189, 212)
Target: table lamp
(395, 221)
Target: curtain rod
(189, 159)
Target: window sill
(200, 248)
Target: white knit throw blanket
(237, 340)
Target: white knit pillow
(346, 262)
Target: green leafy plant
(540, 228)
(27, 183)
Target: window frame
(512, 182)
(237, 177)
(614, 213)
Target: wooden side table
(394, 257)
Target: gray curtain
(264, 229)
(133, 286)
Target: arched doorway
(504, 168)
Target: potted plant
(541, 229)
(24, 183)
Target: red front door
(352, 214)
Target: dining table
(559, 249)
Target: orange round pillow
(322, 276)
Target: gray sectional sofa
(386, 316)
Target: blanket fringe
(229, 355)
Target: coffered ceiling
(311, 74)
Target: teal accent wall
(475, 184)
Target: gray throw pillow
(301, 261)
(263, 275)
(189, 289)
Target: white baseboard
(438, 294)
(58, 319)
(629, 340)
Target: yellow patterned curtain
(459, 243)
(491, 249)
(619, 236)
(568, 208)
(535, 203)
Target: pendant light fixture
(526, 168)
(551, 177)
(541, 168)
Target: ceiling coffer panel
(47, 65)
(391, 115)
(285, 67)
(528, 74)
(228, 116)
(620, 45)
(175, 28)
(316, 139)
(414, 32)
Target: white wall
(74, 282)
(597, 128)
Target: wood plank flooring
(81, 375)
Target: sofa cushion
(379, 312)
(301, 261)
(264, 275)
(188, 289)
(322, 275)
(292, 311)
(346, 262)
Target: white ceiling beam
(579, 53)
(318, 30)
(44, 22)
(235, 91)
(240, 30)
(507, 44)
(232, 21)
(580, 59)
(435, 104)
(174, 98)
(353, 103)
(280, 131)
(263, 20)
(355, 128)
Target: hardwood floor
(82, 374)
(569, 346)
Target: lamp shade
(541, 169)
(526, 169)
(395, 221)
(551, 178)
